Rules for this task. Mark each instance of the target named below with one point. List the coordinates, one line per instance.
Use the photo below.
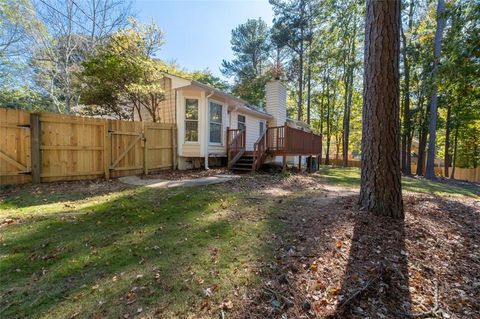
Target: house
(213, 125)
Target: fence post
(106, 150)
(174, 146)
(145, 149)
(35, 136)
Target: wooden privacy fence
(464, 174)
(46, 147)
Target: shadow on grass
(148, 249)
(20, 196)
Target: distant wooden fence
(464, 174)
(46, 147)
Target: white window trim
(185, 98)
(222, 138)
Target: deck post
(300, 163)
(228, 148)
(285, 129)
(35, 142)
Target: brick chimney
(276, 94)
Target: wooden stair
(244, 164)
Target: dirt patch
(57, 190)
(187, 174)
(335, 261)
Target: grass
(158, 252)
(350, 177)
(126, 251)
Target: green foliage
(251, 48)
(24, 98)
(122, 77)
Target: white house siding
(252, 130)
(233, 120)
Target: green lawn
(154, 251)
(350, 177)
(67, 251)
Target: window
(215, 123)
(262, 127)
(191, 120)
(241, 122)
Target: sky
(198, 32)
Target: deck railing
(285, 141)
(292, 141)
(260, 151)
(235, 145)
(302, 143)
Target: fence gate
(15, 156)
(126, 146)
(159, 148)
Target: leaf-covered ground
(264, 246)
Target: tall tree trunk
(322, 107)
(407, 121)
(346, 121)
(455, 139)
(300, 79)
(349, 95)
(422, 140)
(448, 124)
(380, 190)
(327, 154)
(309, 90)
(430, 170)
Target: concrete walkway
(162, 183)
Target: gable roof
(242, 104)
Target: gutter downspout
(207, 127)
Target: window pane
(241, 122)
(215, 112)
(215, 133)
(191, 131)
(261, 128)
(191, 109)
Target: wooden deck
(275, 141)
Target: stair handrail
(235, 145)
(260, 150)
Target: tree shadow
(162, 247)
(20, 196)
(376, 281)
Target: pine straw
(336, 261)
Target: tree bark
(447, 158)
(407, 122)
(422, 137)
(430, 170)
(380, 190)
(455, 139)
(309, 90)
